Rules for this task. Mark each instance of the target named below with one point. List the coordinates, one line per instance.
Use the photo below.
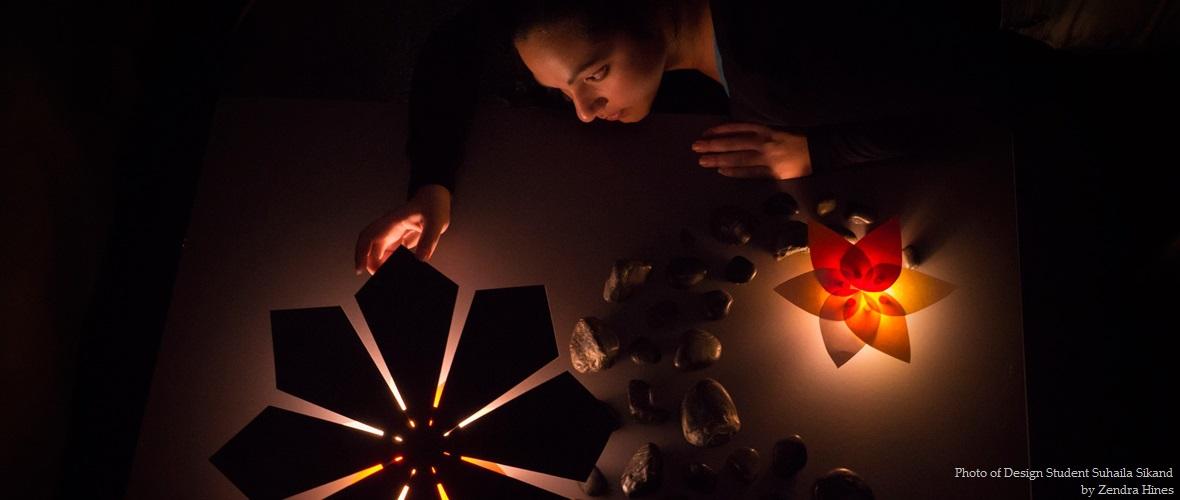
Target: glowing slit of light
(397, 395)
(367, 428)
(492, 466)
(432, 471)
(405, 491)
(412, 424)
(413, 471)
(442, 494)
(438, 395)
(486, 410)
(430, 423)
(398, 459)
(398, 439)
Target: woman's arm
(443, 97)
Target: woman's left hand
(753, 150)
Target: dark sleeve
(838, 146)
(444, 93)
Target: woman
(811, 85)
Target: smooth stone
(788, 456)
(844, 232)
(731, 225)
(625, 276)
(594, 346)
(860, 215)
(780, 205)
(641, 402)
(743, 463)
(841, 484)
(717, 304)
(708, 417)
(684, 272)
(698, 349)
(787, 239)
(700, 477)
(826, 206)
(911, 257)
(644, 351)
(644, 473)
(595, 485)
(662, 314)
(740, 270)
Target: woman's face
(614, 78)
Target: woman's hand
(418, 225)
(753, 150)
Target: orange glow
(412, 424)
(432, 471)
(413, 471)
(492, 466)
(398, 439)
(398, 459)
(860, 292)
(448, 433)
(442, 494)
(438, 395)
(404, 493)
(430, 423)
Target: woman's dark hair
(593, 18)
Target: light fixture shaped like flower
(861, 292)
(418, 441)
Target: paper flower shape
(423, 443)
(861, 292)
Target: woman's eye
(600, 74)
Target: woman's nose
(587, 108)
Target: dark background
(106, 116)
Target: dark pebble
(788, 456)
(700, 477)
(780, 205)
(644, 351)
(594, 346)
(625, 276)
(644, 473)
(826, 206)
(743, 463)
(731, 225)
(860, 215)
(640, 402)
(740, 270)
(911, 257)
(684, 272)
(786, 239)
(717, 304)
(841, 484)
(708, 417)
(698, 349)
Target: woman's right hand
(418, 225)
